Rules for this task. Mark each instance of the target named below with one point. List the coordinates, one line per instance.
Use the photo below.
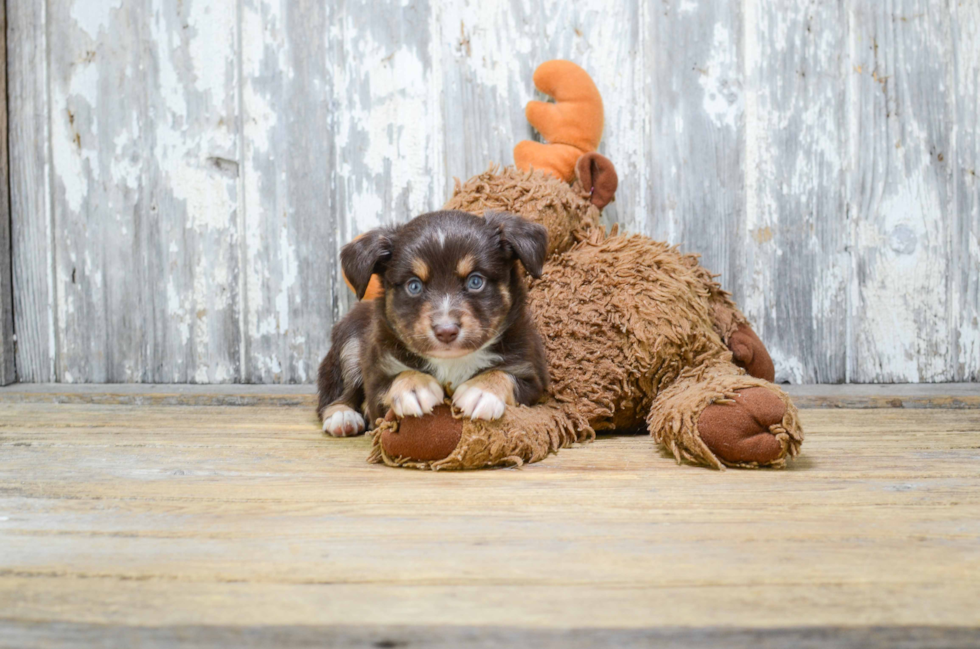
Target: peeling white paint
(393, 126)
(789, 369)
(720, 79)
(92, 16)
(904, 307)
(687, 6)
(212, 45)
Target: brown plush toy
(638, 335)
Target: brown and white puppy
(452, 320)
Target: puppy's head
(451, 278)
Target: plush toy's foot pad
(424, 439)
(443, 442)
(747, 430)
(750, 354)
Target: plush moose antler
(572, 125)
(573, 128)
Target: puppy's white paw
(342, 421)
(477, 403)
(414, 394)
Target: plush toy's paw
(413, 394)
(423, 439)
(342, 421)
(441, 441)
(747, 430)
(750, 354)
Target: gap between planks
(860, 396)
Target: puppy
(452, 320)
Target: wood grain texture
(694, 86)
(149, 516)
(8, 371)
(292, 235)
(900, 121)
(144, 183)
(184, 172)
(16, 635)
(794, 285)
(30, 195)
(964, 278)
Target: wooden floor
(125, 525)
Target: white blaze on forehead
(441, 235)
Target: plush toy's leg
(750, 354)
(733, 327)
(720, 417)
(441, 441)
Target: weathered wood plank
(899, 196)
(292, 236)
(144, 142)
(390, 145)
(30, 209)
(964, 268)
(60, 635)
(96, 86)
(141, 516)
(8, 372)
(694, 86)
(795, 262)
(191, 194)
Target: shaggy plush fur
(636, 334)
(565, 210)
(524, 435)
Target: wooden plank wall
(184, 172)
(8, 372)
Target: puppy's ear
(522, 239)
(365, 256)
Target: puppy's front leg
(413, 394)
(486, 395)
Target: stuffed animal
(637, 334)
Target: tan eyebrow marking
(465, 266)
(421, 269)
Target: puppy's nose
(446, 332)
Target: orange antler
(572, 125)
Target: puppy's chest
(451, 372)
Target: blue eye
(414, 286)
(475, 282)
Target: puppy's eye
(475, 282)
(414, 286)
